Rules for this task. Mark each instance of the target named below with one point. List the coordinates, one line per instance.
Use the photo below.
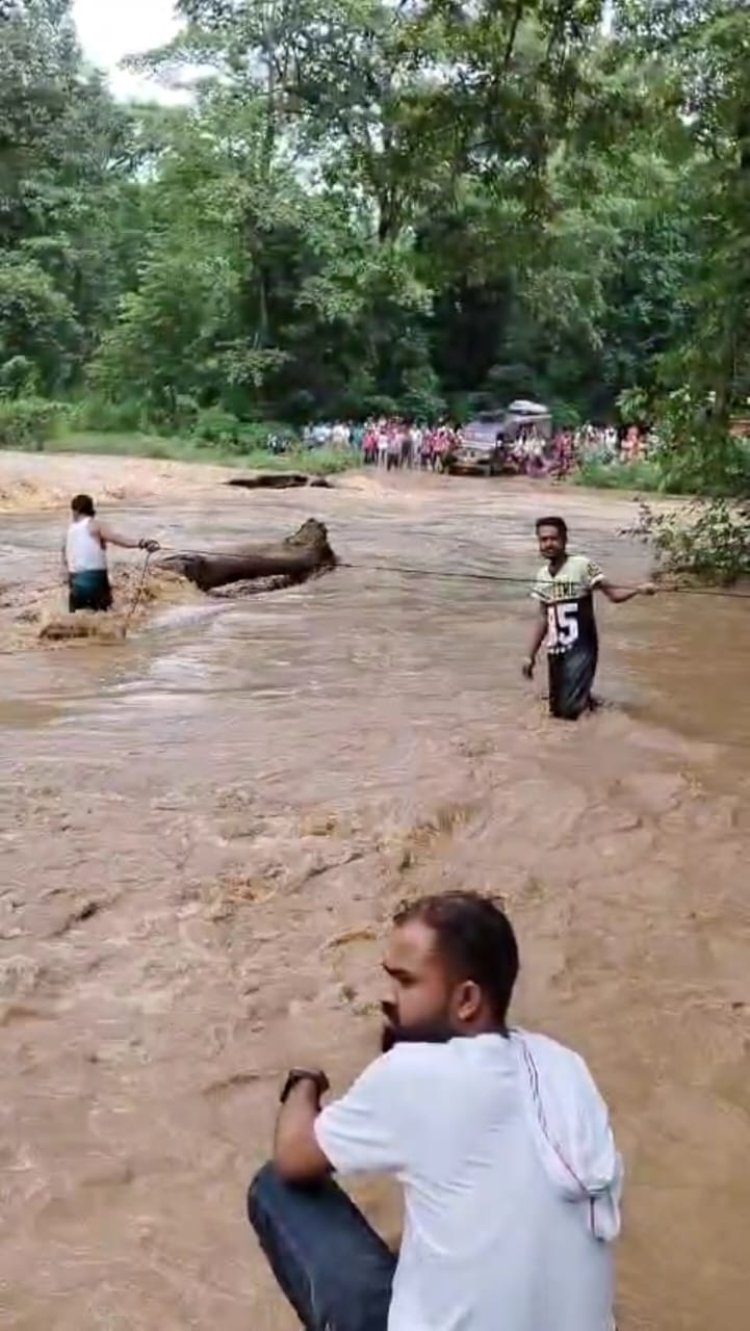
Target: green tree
(65, 160)
(365, 204)
(703, 47)
(37, 325)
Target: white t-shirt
(577, 576)
(488, 1245)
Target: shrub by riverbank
(643, 476)
(44, 430)
(38, 425)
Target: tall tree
(703, 48)
(64, 156)
(419, 206)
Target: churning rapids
(204, 829)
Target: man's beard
(437, 1031)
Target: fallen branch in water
(297, 558)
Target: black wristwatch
(304, 1074)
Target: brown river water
(204, 829)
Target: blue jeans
(333, 1268)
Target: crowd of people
(389, 442)
(567, 450)
(395, 443)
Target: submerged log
(279, 480)
(298, 557)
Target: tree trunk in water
(279, 480)
(297, 558)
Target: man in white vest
(84, 556)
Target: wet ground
(204, 829)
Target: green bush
(175, 415)
(314, 461)
(258, 434)
(717, 465)
(619, 475)
(324, 461)
(106, 417)
(698, 455)
(214, 425)
(28, 422)
(565, 414)
(221, 429)
(709, 540)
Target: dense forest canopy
(368, 205)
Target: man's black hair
(84, 505)
(476, 940)
(558, 523)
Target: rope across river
(471, 575)
(525, 582)
(406, 570)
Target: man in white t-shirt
(499, 1138)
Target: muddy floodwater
(204, 829)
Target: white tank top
(84, 552)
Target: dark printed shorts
(90, 591)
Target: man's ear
(468, 1001)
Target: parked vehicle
(479, 452)
(486, 444)
(522, 416)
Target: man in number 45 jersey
(564, 591)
